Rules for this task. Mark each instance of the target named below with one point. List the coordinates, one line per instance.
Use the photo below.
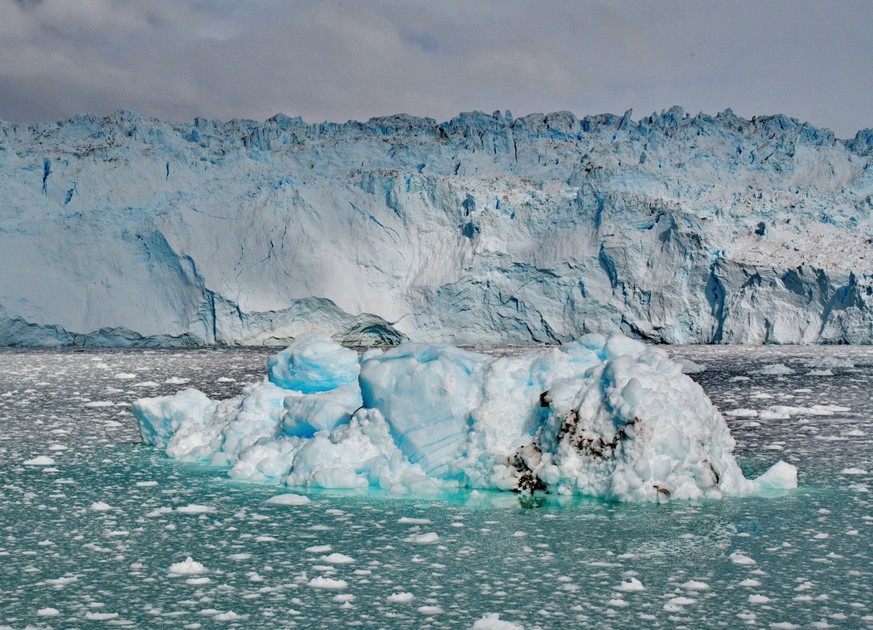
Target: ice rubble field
(103, 535)
(604, 417)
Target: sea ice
(607, 417)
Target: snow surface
(481, 230)
(606, 417)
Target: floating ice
(187, 567)
(40, 460)
(328, 583)
(289, 499)
(607, 417)
(776, 369)
(492, 621)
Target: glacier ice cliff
(481, 230)
(603, 417)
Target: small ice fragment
(159, 512)
(423, 539)
(239, 556)
(738, 557)
(188, 567)
(228, 616)
(406, 520)
(198, 581)
(776, 369)
(146, 484)
(741, 413)
(337, 558)
(99, 506)
(430, 610)
(48, 612)
(492, 621)
(319, 549)
(681, 601)
(125, 376)
(758, 599)
(750, 583)
(853, 471)
(694, 585)
(195, 509)
(100, 616)
(400, 598)
(175, 380)
(630, 586)
(41, 460)
(328, 583)
(289, 499)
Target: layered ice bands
(603, 417)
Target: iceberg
(606, 417)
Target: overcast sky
(330, 60)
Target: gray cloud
(332, 60)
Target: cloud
(334, 60)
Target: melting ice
(606, 417)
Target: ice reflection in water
(93, 537)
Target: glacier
(483, 230)
(607, 417)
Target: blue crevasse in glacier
(604, 416)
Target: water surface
(91, 539)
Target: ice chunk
(780, 477)
(607, 417)
(328, 583)
(492, 621)
(40, 460)
(289, 499)
(775, 369)
(313, 363)
(187, 567)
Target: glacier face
(481, 230)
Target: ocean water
(91, 539)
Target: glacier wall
(481, 230)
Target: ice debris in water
(492, 621)
(606, 417)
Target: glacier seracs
(603, 416)
(485, 229)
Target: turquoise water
(91, 539)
